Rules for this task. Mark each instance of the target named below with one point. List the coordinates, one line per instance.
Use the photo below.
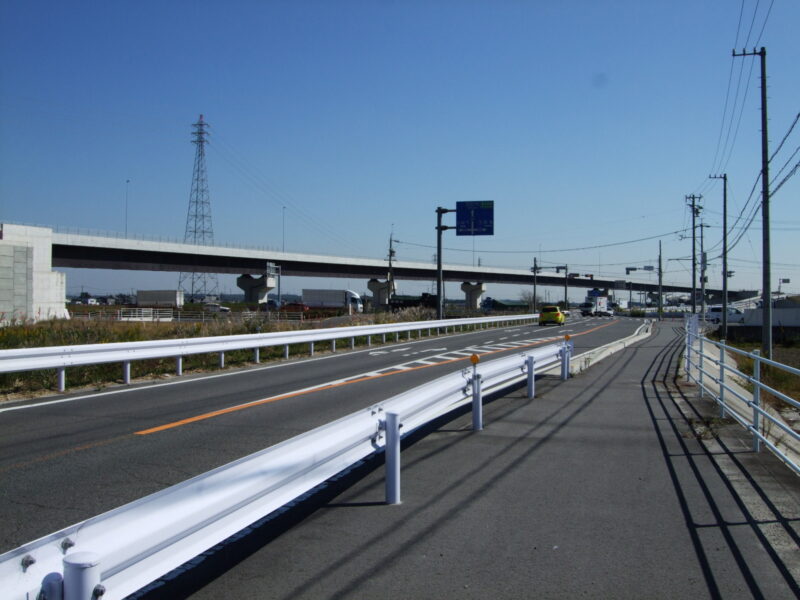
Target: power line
(644, 239)
(778, 149)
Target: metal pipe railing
(754, 422)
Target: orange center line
(329, 386)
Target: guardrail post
(408, 334)
(369, 341)
(179, 366)
(221, 360)
(82, 576)
(383, 338)
(352, 343)
(333, 345)
(392, 458)
(756, 401)
(53, 587)
(531, 367)
(477, 397)
(565, 361)
(286, 351)
(62, 379)
(722, 378)
(126, 372)
(311, 348)
(256, 355)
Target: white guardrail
(119, 552)
(717, 377)
(61, 357)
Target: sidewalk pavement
(618, 483)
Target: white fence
(707, 366)
(61, 357)
(121, 551)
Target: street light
(127, 184)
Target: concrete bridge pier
(473, 292)
(29, 288)
(255, 288)
(380, 290)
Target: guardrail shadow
(706, 489)
(215, 562)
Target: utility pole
(660, 285)
(535, 270)
(439, 278)
(766, 271)
(392, 290)
(724, 178)
(695, 212)
(703, 265)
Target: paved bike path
(599, 487)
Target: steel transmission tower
(199, 230)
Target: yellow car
(551, 314)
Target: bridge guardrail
(714, 375)
(123, 550)
(61, 357)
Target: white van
(714, 315)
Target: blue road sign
(475, 218)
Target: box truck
(346, 299)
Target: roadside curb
(581, 362)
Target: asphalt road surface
(67, 458)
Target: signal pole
(766, 273)
(695, 213)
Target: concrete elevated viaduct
(33, 289)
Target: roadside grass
(79, 332)
(776, 378)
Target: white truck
(597, 306)
(172, 298)
(347, 299)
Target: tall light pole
(127, 184)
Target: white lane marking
(482, 349)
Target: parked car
(551, 314)
(714, 315)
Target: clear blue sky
(587, 122)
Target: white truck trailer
(347, 299)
